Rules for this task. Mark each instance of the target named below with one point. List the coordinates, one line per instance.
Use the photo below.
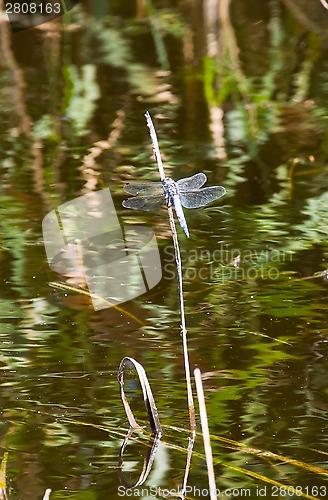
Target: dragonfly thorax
(170, 190)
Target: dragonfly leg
(168, 200)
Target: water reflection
(239, 92)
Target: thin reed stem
(191, 406)
(206, 434)
(155, 145)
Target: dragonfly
(187, 193)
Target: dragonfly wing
(194, 182)
(201, 197)
(151, 188)
(144, 202)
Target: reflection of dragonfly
(183, 193)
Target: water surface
(238, 92)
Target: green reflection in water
(239, 97)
